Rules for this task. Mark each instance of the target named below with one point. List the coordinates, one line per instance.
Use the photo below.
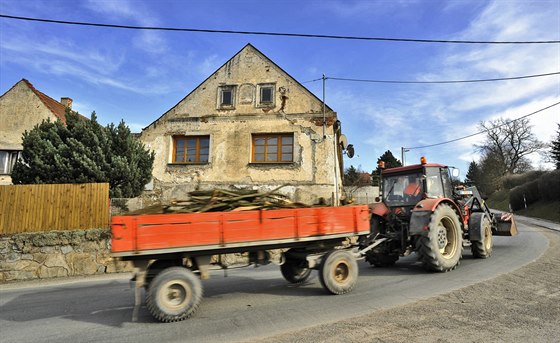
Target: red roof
(412, 167)
(57, 108)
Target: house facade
(21, 108)
(248, 125)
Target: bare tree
(509, 142)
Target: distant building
(248, 125)
(21, 108)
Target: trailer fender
(476, 231)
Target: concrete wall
(295, 110)
(57, 254)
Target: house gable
(246, 73)
(248, 125)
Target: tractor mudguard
(476, 231)
(379, 209)
(419, 222)
(422, 212)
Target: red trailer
(171, 253)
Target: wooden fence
(32, 208)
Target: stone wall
(57, 254)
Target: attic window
(266, 95)
(226, 96)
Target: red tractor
(420, 211)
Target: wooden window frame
(279, 145)
(197, 149)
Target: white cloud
(149, 41)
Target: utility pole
(403, 150)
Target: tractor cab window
(434, 184)
(403, 190)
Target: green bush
(514, 180)
(525, 194)
(549, 186)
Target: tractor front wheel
(483, 248)
(442, 247)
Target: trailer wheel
(338, 272)
(174, 294)
(294, 272)
(483, 248)
(441, 249)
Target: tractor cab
(406, 186)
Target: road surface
(250, 303)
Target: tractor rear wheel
(174, 294)
(442, 247)
(338, 272)
(483, 248)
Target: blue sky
(138, 75)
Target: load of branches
(221, 200)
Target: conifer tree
(555, 149)
(83, 151)
(390, 162)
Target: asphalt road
(250, 303)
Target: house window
(226, 97)
(191, 149)
(266, 95)
(8, 159)
(269, 148)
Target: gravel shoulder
(522, 306)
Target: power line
(133, 27)
(483, 131)
(447, 81)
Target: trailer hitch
(362, 253)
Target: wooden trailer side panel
(163, 231)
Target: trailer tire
(293, 272)
(442, 247)
(338, 272)
(174, 294)
(483, 248)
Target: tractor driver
(413, 189)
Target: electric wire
(435, 82)
(444, 81)
(262, 33)
(483, 131)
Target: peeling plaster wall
(311, 175)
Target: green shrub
(549, 185)
(514, 180)
(525, 194)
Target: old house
(21, 108)
(248, 125)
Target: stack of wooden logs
(221, 200)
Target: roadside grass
(543, 210)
